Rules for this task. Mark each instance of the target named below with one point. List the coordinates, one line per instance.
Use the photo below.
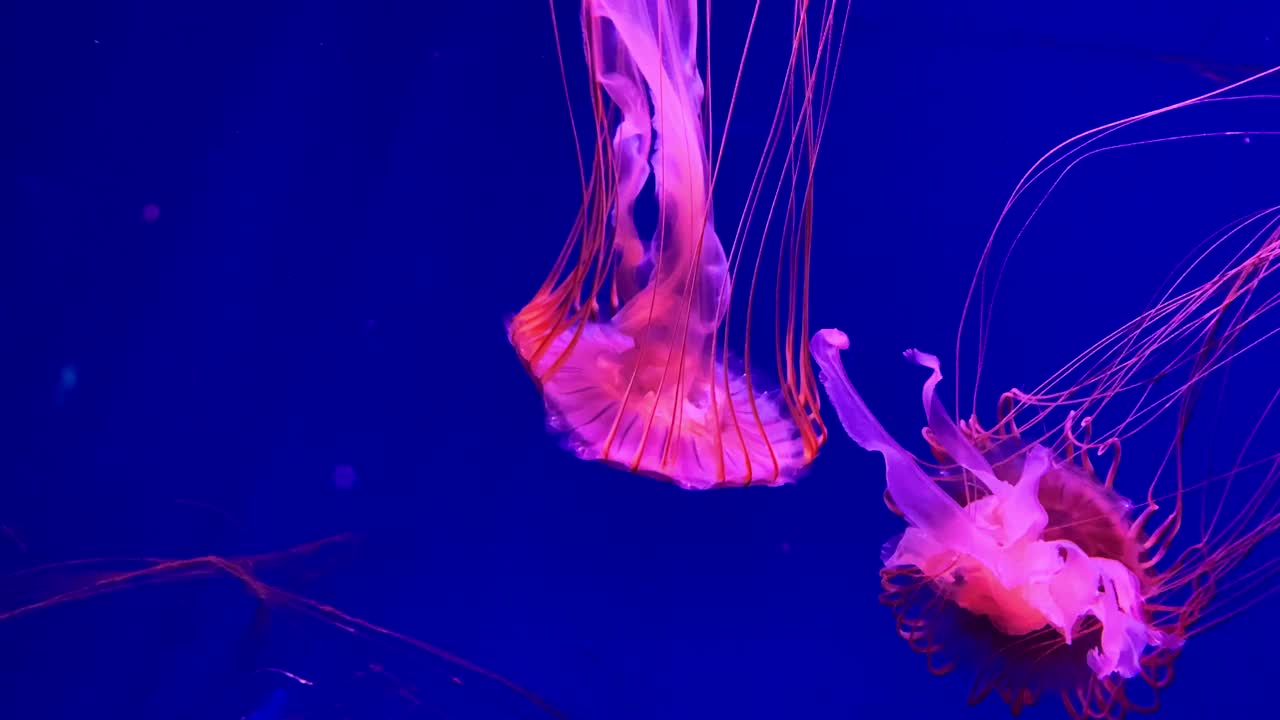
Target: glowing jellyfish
(630, 336)
(1049, 575)
(251, 648)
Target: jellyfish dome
(629, 337)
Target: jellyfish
(1023, 555)
(640, 340)
(254, 645)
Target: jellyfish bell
(1028, 558)
(632, 339)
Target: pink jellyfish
(1046, 573)
(327, 657)
(629, 337)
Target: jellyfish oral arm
(645, 57)
(923, 503)
(631, 143)
(628, 338)
(989, 556)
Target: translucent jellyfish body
(1023, 562)
(641, 342)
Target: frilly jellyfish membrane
(641, 339)
(276, 653)
(1025, 555)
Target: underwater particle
(272, 708)
(68, 377)
(344, 477)
(150, 213)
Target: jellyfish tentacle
(992, 556)
(628, 338)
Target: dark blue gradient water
(257, 260)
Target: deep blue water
(258, 259)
